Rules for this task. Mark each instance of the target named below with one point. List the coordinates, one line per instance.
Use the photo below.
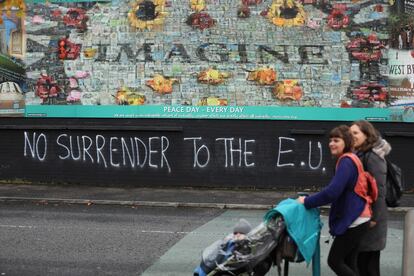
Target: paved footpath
(187, 251)
(250, 204)
(168, 197)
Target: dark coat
(375, 239)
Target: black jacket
(375, 239)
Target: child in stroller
(244, 252)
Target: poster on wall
(401, 60)
(242, 59)
(12, 47)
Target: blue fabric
(227, 248)
(200, 272)
(302, 224)
(346, 205)
(316, 260)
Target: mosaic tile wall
(252, 52)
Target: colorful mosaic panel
(274, 53)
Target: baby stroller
(254, 253)
(249, 255)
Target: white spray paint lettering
(310, 156)
(136, 153)
(152, 152)
(34, 145)
(242, 153)
(197, 152)
(280, 152)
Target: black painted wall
(204, 153)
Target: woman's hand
(301, 199)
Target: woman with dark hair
(348, 219)
(372, 149)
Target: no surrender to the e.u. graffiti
(156, 151)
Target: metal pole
(408, 247)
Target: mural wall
(241, 59)
(291, 155)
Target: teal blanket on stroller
(304, 226)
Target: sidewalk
(162, 197)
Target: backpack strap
(355, 159)
(366, 185)
(371, 179)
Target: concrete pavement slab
(165, 197)
(184, 256)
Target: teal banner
(218, 112)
